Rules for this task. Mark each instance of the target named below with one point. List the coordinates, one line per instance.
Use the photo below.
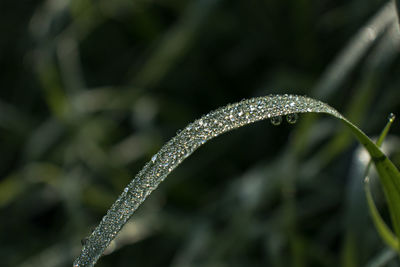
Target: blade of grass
(382, 259)
(209, 126)
(341, 67)
(175, 43)
(388, 174)
(384, 231)
(397, 2)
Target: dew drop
(276, 120)
(292, 118)
(391, 117)
(153, 159)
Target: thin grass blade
(384, 231)
(199, 132)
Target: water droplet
(153, 159)
(276, 120)
(391, 117)
(292, 118)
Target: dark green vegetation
(91, 91)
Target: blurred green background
(90, 90)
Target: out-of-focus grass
(91, 89)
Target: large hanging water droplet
(391, 117)
(276, 120)
(292, 118)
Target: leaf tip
(391, 117)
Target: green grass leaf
(384, 231)
(212, 125)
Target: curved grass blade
(347, 59)
(382, 259)
(197, 133)
(384, 231)
(389, 175)
(397, 2)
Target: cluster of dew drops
(290, 118)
